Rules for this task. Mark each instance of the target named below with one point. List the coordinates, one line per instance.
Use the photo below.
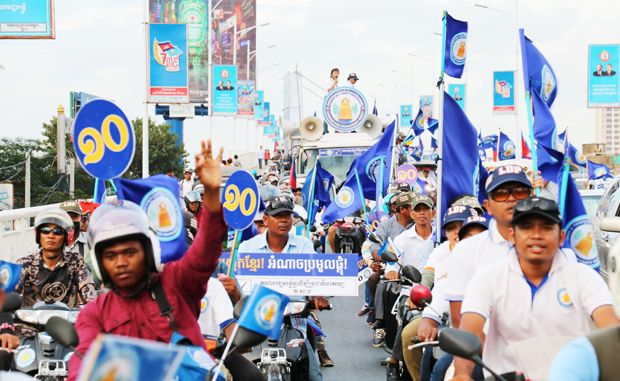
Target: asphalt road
(349, 342)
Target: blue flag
(418, 150)
(419, 187)
(506, 148)
(456, 46)
(598, 171)
(460, 153)
(9, 275)
(158, 196)
(575, 221)
(489, 141)
(322, 184)
(482, 181)
(544, 124)
(421, 124)
(538, 76)
(374, 109)
(482, 153)
(346, 202)
(367, 164)
(575, 156)
(264, 312)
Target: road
(349, 342)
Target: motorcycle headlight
(73, 316)
(27, 316)
(293, 308)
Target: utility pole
(61, 149)
(27, 185)
(71, 176)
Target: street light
(252, 55)
(407, 75)
(267, 67)
(240, 33)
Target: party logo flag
(455, 50)
(322, 184)
(538, 75)
(423, 122)
(489, 141)
(263, 313)
(598, 171)
(158, 196)
(417, 151)
(506, 147)
(9, 275)
(482, 153)
(347, 200)
(576, 157)
(544, 124)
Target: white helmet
(54, 216)
(122, 220)
(614, 275)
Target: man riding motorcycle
(127, 254)
(53, 273)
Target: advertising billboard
(503, 93)
(167, 64)
(266, 112)
(457, 92)
(224, 90)
(6, 196)
(259, 97)
(603, 78)
(426, 105)
(405, 115)
(245, 99)
(27, 19)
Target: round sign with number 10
(407, 173)
(240, 200)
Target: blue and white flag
(538, 76)
(322, 184)
(544, 124)
(455, 51)
(575, 221)
(419, 187)
(506, 147)
(263, 313)
(482, 153)
(487, 142)
(9, 275)
(460, 153)
(421, 124)
(598, 171)
(576, 157)
(347, 201)
(158, 196)
(418, 150)
(368, 162)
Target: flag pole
(311, 196)
(528, 106)
(359, 186)
(499, 139)
(393, 147)
(440, 128)
(565, 172)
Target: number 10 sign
(240, 200)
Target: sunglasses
(282, 202)
(57, 230)
(543, 204)
(520, 193)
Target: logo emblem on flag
(120, 367)
(161, 207)
(345, 197)
(372, 167)
(509, 149)
(267, 311)
(5, 275)
(458, 48)
(579, 234)
(548, 81)
(167, 54)
(599, 172)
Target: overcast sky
(98, 50)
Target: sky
(99, 50)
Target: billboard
(457, 92)
(266, 112)
(405, 115)
(259, 98)
(6, 196)
(426, 105)
(603, 78)
(503, 93)
(245, 99)
(27, 19)
(167, 63)
(224, 90)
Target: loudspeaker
(311, 128)
(287, 127)
(372, 126)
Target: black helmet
(192, 196)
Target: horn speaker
(311, 128)
(372, 126)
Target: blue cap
(354, 76)
(506, 174)
(471, 221)
(458, 213)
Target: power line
(13, 166)
(45, 198)
(11, 178)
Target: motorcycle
(349, 237)
(39, 355)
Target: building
(608, 128)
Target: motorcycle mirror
(316, 243)
(239, 307)
(62, 332)
(420, 296)
(373, 238)
(12, 302)
(312, 229)
(460, 343)
(247, 339)
(389, 256)
(412, 274)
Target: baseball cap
(279, 204)
(258, 216)
(354, 76)
(404, 198)
(506, 174)
(422, 199)
(72, 207)
(471, 202)
(458, 213)
(538, 206)
(471, 221)
(399, 187)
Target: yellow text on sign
(93, 144)
(237, 200)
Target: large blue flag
(538, 75)
(460, 153)
(575, 221)
(506, 147)
(598, 171)
(264, 312)
(489, 141)
(368, 163)
(322, 184)
(158, 196)
(455, 50)
(9, 275)
(575, 156)
(544, 124)
(346, 202)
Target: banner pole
(440, 130)
(310, 197)
(218, 369)
(565, 172)
(528, 104)
(359, 186)
(233, 254)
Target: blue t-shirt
(577, 361)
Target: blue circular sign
(103, 139)
(240, 200)
(375, 219)
(345, 109)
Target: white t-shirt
(409, 244)
(439, 305)
(440, 253)
(330, 84)
(517, 311)
(260, 154)
(186, 186)
(215, 308)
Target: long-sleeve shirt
(184, 283)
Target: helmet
(387, 202)
(121, 219)
(192, 196)
(269, 192)
(200, 189)
(54, 216)
(272, 179)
